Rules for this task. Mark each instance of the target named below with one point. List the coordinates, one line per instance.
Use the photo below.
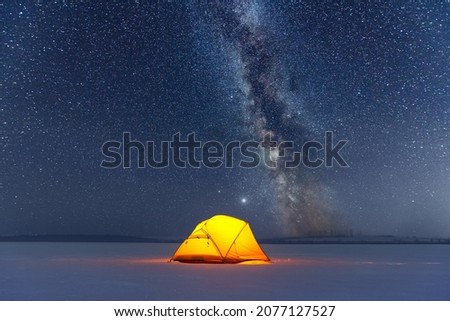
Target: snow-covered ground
(139, 271)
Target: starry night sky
(76, 74)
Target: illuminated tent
(220, 239)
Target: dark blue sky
(78, 74)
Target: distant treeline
(360, 239)
(81, 238)
(381, 239)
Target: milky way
(79, 73)
(301, 208)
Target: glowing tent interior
(220, 239)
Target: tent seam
(234, 241)
(215, 245)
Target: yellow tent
(220, 239)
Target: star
(235, 72)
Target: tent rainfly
(220, 239)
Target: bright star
(243, 200)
